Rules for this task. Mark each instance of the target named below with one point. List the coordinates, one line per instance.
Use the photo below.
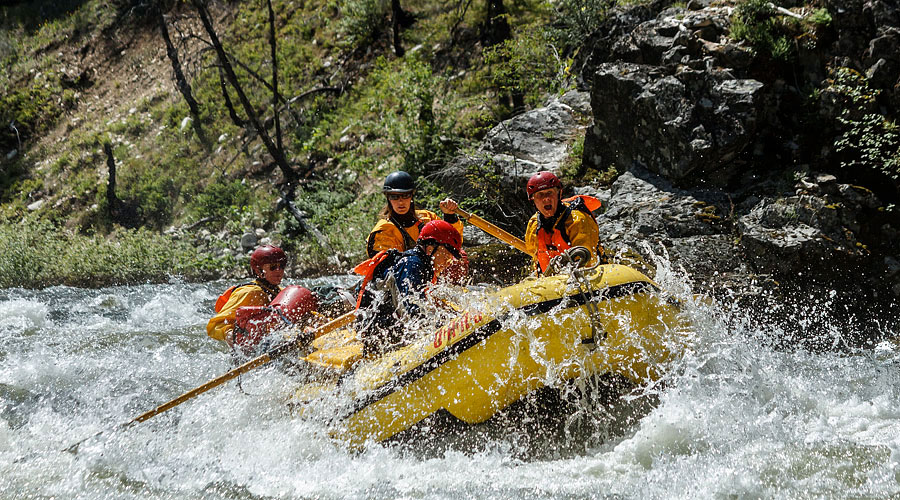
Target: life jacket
(554, 242)
(252, 323)
(408, 241)
(375, 266)
(223, 299)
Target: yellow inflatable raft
(516, 340)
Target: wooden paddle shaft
(492, 230)
(303, 339)
(244, 368)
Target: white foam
(21, 315)
(165, 311)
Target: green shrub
(868, 140)
(820, 17)
(529, 64)
(362, 21)
(576, 20)
(220, 199)
(37, 253)
(397, 118)
(757, 23)
(572, 165)
(25, 113)
(339, 212)
(150, 189)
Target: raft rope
(573, 260)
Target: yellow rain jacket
(387, 234)
(245, 295)
(571, 227)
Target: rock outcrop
(727, 165)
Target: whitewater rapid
(740, 416)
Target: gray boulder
(677, 125)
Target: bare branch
(275, 96)
(232, 113)
(278, 154)
(180, 81)
(461, 14)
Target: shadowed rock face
(687, 124)
(726, 167)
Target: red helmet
(541, 181)
(443, 233)
(266, 254)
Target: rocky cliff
(737, 159)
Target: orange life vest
(369, 267)
(554, 242)
(220, 302)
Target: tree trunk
(277, 154)
(232, 113)
(112, 202)
(397, 14)
(275, 96)
(496, 30)
(496, 27)
(180, 81)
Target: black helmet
(399, 182)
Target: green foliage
(220, 199)
(574, 171)
(12, 174)
(37, 253)
(395, 118)
(362, 21)
(820, 17)
(572, 165)
(132, 126)
(151, 189)
(485, 177)
(868, 140)
(576, 20)
(529, 64)
(757, 23)
(344, 217)
(25, 113)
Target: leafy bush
(343, 217)
(37, 253)
(820, 17)
(396, 120)
(756, 22)
(25, 113)
(151, 189)
(576, 20)
(220, 199)
(362, 21)
(868, 140)
(528, 64)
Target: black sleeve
(370, 244)
(451, 218)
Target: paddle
(492, 230)
(302, 340)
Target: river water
(740, 417)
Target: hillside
(87, 76)
(754, 144)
